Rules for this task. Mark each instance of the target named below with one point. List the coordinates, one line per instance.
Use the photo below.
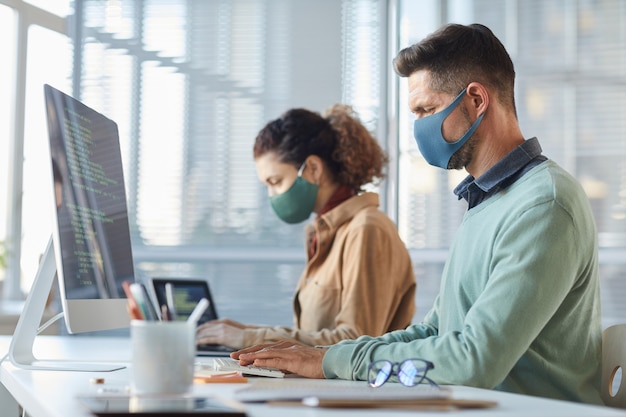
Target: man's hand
(221, 332)
(288, 356)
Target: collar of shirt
(508, 170)
(320, 233)
(340, 195)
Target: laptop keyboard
(214, 348)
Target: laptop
(187, 293)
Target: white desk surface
(52, 393)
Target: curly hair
(338, 137)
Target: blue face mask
(427, 131)
(296, 204)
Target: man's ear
(314, 168)
(480, 98)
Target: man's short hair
(456, 55)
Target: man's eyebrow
(418, 100)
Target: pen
(198, 311)
(153, 314)
(143, 301)
(133, 308)
(165, 314)
(169, 299)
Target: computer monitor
(91, 234)
(90, 249)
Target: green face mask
(296, 204)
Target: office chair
(613, 390)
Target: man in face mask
(519, 304)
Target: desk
(52, 393)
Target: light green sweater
(519, 304)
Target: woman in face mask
(358, 278)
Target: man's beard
(461, 158)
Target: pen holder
(162, 357)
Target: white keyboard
(229, 364)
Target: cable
(49, 322)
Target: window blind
(190, 84)
(570, 65)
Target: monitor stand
(21, 348)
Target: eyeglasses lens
(379, 372)
(411, 372)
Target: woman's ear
(314, 170)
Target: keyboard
(213, 350)
(229, 364)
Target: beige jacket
(359, 282)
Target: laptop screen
(187, 293)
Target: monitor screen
(91, 233)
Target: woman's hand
(221, 332)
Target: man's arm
(525, 289)
(288, 356)
(307, 361)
